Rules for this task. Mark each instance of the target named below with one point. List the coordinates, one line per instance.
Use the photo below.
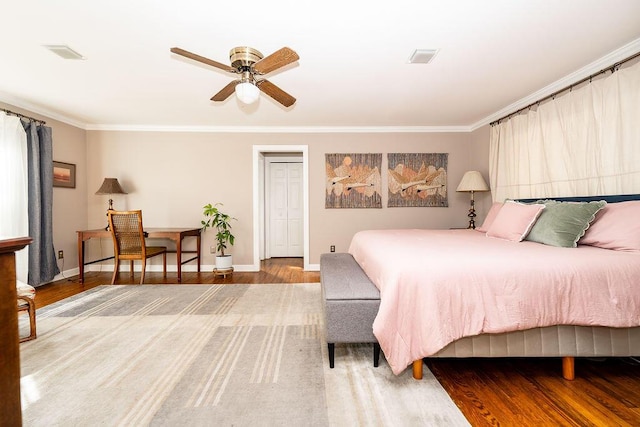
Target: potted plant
(221, 222)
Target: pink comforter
(437, 286)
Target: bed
(511, 288)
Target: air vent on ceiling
(64, 51)
(422, 56)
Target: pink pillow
(615, 227)
(514, 221)
(491, 216)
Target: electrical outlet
(212, 249)
(333, 248)
(60, 254)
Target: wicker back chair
(129, 244)
(26, 296)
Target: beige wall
(69, 205)
(479, 152)
(170, 176)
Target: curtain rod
(22, 116)
(613, 68)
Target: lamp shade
(472, 181)
(110, 186)
(247, 93)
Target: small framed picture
(64, 175)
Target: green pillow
(563, 223)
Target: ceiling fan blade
(225, 92)
(202, 59)
(276, 93)
(277, 59)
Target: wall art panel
(353, 180)
(417, 179)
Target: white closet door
(285, 210)
(295, 210)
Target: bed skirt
(552, 341)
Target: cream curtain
(584, 142)
(14, 219)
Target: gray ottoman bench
(351, 303)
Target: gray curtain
(42, 258)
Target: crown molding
(600, 64)
(282, 129)
(54, 115)
(40, 110)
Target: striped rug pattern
(202, 355)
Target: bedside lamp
(472, 181)
(110, 186)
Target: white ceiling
(353, 70)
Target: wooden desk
(10, 414)
(175, 234)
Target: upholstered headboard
(609, 199)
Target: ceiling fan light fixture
(249, 63)
(247, 93)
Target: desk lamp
(110, 186)
(472, 181)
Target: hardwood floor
(527, 392)
(489, 392)
(275, 270)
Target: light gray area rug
(205, 355)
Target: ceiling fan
(250, 64)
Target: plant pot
(224, 262)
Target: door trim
(266, 225)
(258, 151)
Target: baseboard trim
(124, 267)
(170, 268)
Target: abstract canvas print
(417, 179)
(353, 180)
